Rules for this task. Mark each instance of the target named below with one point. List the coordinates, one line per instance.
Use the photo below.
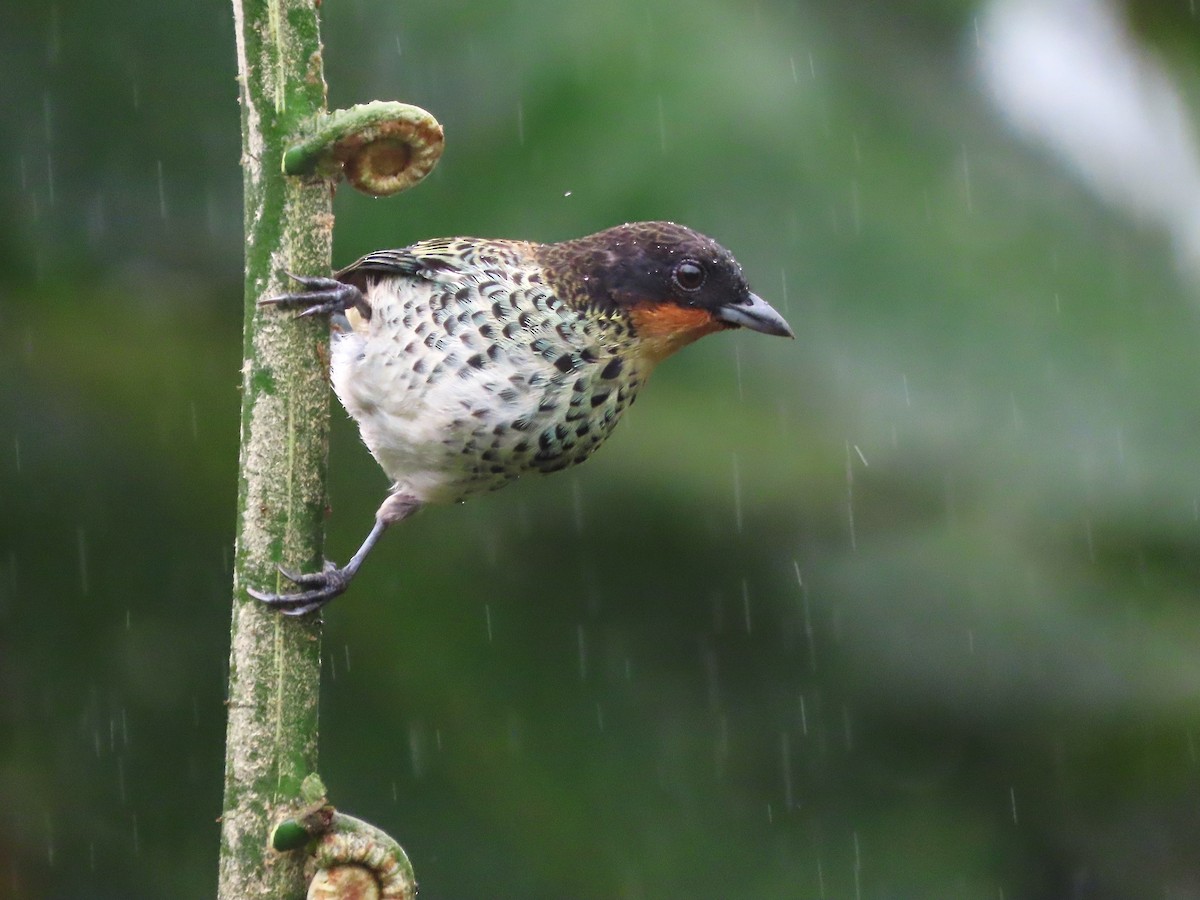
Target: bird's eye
(689, 275)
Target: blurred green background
(905, 608)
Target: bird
(469, 362)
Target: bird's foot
(318, 588)
(321, 296)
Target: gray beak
(757, 315)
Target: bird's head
(669, 284)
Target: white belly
(451, 403)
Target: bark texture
(274, 663)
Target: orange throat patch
(663, 328)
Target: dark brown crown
(644, 263)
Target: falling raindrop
(721, 751)
(577, 504)
(96, 220)
(966, 171)
(514, 734)
(1012, 802)
(12, 572)
(737, 366)
(487, 618)
(809, 638)
(857, 866)
(50, 179)
(737, 495)
(712, 680)
(718, 614)
(662, 127)
(491, 549)
(850, 498)
(47, 123)
(212, 215)
(162, 191)
(785, 763)
(81, 545)
(54, 39)
(746, 604)
(581, 643)
(416, 749)
(855, 207)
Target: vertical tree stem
(274, 663)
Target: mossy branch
(274, 664)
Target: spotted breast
(474, 372)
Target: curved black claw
(321, 296)
(320, 588)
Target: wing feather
(443, 260)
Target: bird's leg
(318, 588)
(321, 296)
